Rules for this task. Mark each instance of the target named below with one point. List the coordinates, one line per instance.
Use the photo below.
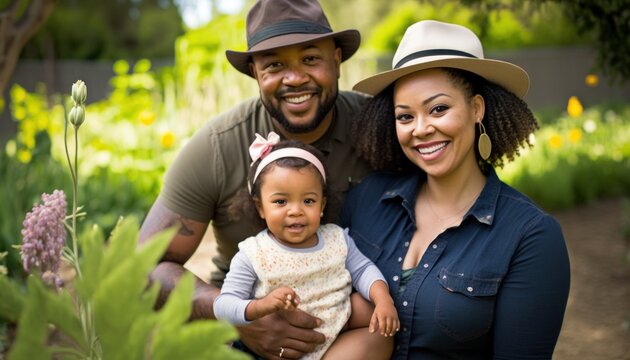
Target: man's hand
(291, 330)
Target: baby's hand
(385, 319)
(283, 298)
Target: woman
(477, 270)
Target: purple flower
(44, 235)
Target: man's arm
(182, 247)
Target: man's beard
(322, 110)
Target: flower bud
(77, 115)
(79, 92)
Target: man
(295, 57)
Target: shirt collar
(485, 206)
(406, 188)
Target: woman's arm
(533, 295)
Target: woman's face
(435, 122)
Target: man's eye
(310, 59)
(274, 66)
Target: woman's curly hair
(508, 122)
(243, 204)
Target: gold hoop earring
(484, 144)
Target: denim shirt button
(470, 289)
(395, 278)
(405, 303)
(425, 266)
(434, 246)
(406, 243)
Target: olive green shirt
(213, 166)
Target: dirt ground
(597, 321)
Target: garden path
(597, 321)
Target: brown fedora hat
(273, 24)
(431, 44)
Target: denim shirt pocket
(464, 308)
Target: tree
(608, 20)
(19, 21)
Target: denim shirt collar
(484, 208)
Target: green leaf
(121, 298)
(176, 338)
(32, 331)
(60, 311)
(12, 299)
(92, 246)
(202, 339)
(121, 243)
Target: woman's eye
(403, 117)
(438, 109)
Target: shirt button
(406, 243)
(425, 266)
(470, 289)
(399, 259)
(405, 303)
(434, 246)
(404, 329)
(395, 278)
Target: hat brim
(510, 76)
(347, 40)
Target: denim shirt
(496, 286)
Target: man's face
(298, 84)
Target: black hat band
(432, 52)
(287, 27)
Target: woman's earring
(484, 144)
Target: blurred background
(156, 71)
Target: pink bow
(261, 146)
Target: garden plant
(104, 309)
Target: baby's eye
(280, 201)
(310, 201)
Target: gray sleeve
(236, 292)
(363, 271)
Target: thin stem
(75, 185)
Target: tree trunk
(16, 30)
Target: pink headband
(261, 148)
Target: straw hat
(272, 24)
(430, 44)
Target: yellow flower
(555, 141)
(575, 135)
(167, 139)
(24, 156)
(591, 80)
(574, 107)
(147, 117)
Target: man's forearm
(167, 274)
